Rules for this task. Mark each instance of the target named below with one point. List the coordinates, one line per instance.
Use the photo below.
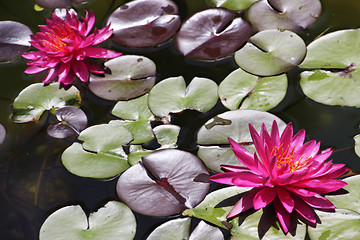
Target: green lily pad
(113, 221)
(271, 52)
(167, 135)
(235, 5)
(293, 15)
(179, 229)
(343, 224)
(212, 138)
(137, 152)
(172, 96)
(136, 118)
(131, 76)
(357, 144)
(247, 91)
(31, 102)
(101, 154)
(337, 53)
(250, 228)
(350, 200)
(207, 209)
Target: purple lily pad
(144, 23)
(212, 33)
(72, 121)
(2, 133)
(58, 3)
(14, 39)
(166, 182)
(293, 15)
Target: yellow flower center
(56, 43)
(285, 156)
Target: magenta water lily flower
(285, 172)
(66, 48)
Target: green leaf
(212, 138)
(113, 221)
(349, 200)
(338, 50)
(176, 229)
(137, 153)
(271, 52)
(250, 228)
(171, 96)
(343, 224)
(131, 76)
(101, 154)
(31, 102)
(167, 135)
(357, 144)
(236, 5)
(251, 91)
(137, 118)
(207, 209)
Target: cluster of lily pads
(165, 181)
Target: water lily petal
(286, 200)
(300, 191)
(286, 136)
(264, 197)
(98, 52)
(283, 216)
(50, 76)
(81, 70)
(245, 203)
(318, 201)
(304, 210)
(321, 185)
(34, 69)
(240, 179)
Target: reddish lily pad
(2, 133)
(166, 182)
(212, 34)
(14, 39)
(58, 3)
(131, 76)
(72, 121)
(293, 15)
(144, 23)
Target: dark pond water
(33, 182)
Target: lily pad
(166, 182)
(246, 91)
(208, 209)
(101, 154)
(144, 23)
(137, 152)
(338, 58)
(167, 135)
(235, 5)
(212, 33)
(113, 221)
(343, 224)
(58, 3)
(357, 144)
(28, 106)
(293, 15)
(212, 138)
(2, 134)
(131, 76)
(179, 229)
(271, 52)
(172, 96)
(353, 195)
(136, 117)
(14, 39)
(72, 121)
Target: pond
(33, 180)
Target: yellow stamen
(285, 156)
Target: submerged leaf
(2, 134)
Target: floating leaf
(72, 121)
(343, 224)
(212, 138)
(179, 229)
(357, 144)
(31, 102)
(131, 76)
(113, 221)
(14, 39)
(2, 134)
(58, 3)
(212, 33)
(167, 135)
(293, 15)
(336, 52)
(253, 226)
(165, 183)
(353, 195)
(251, 91)
(271, 52)
(144, 23)
(236, 5)
(137, 118)
(171, 96)
(208, 210)
(137, 153)
(101, 154)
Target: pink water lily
(66, 48)
(284, 172)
